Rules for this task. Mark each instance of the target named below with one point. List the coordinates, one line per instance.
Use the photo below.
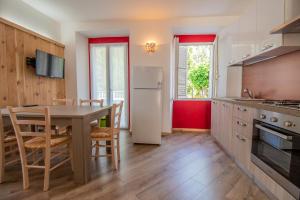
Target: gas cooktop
(289, 104)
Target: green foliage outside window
(198, 71)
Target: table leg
(81, 149)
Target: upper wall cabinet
(253, 41)
(247, 33)
(270, 13)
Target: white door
(109, 75)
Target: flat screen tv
(49, 65)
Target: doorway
(109, 75)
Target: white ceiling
(89, 10)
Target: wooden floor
(186, 166)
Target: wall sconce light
(150, 47)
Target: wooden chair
(62, 130)
(32, 140)
(96, 102)
(110, 134)
(8, 148)
(90, 102)
(67, 102)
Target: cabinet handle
(240, 138)
(241, 124)
(266, 47)
(231, 62)
(246, 56)
(214, 102)
(244, 110)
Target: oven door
(276, 152)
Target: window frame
(211, 74)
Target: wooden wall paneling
(18, 83)
(3, 68)
(11, 65)
(31, 82)
(20, 66)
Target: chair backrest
(27, 127)
(90, 102)
(5, 129)
(116, 115)
(67, 102)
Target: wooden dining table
(79, 117)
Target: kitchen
(195, 100)
(259, 128)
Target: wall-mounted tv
(49, 65)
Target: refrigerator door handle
(159, 84)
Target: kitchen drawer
(243, 112)
(274, 188)
(242, 127)
(242, 150)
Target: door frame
(107, 41)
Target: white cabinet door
(227, 127)
(270, 13)
(247, 29)
(215, 119)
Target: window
(194, 69)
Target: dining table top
(67, 111)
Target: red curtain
(196, 38)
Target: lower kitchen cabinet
(242, 150)
(269, 185)
(232, 126)
(222, 124)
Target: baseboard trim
(189, 130)
(165, 133)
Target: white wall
(160, 31)
(82, 66)
(22, 14)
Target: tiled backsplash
(278, 78)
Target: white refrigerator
(147, 105)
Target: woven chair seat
(102, 132)
(39, 142)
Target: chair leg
(70, 146)
(24, 169)
(115, 164)
(97, 149)
(47, 169)
(2, 163)
(118, 148)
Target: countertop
(257, 104)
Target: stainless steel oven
(276, 148)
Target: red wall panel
(191, 114)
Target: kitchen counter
(256, 104)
